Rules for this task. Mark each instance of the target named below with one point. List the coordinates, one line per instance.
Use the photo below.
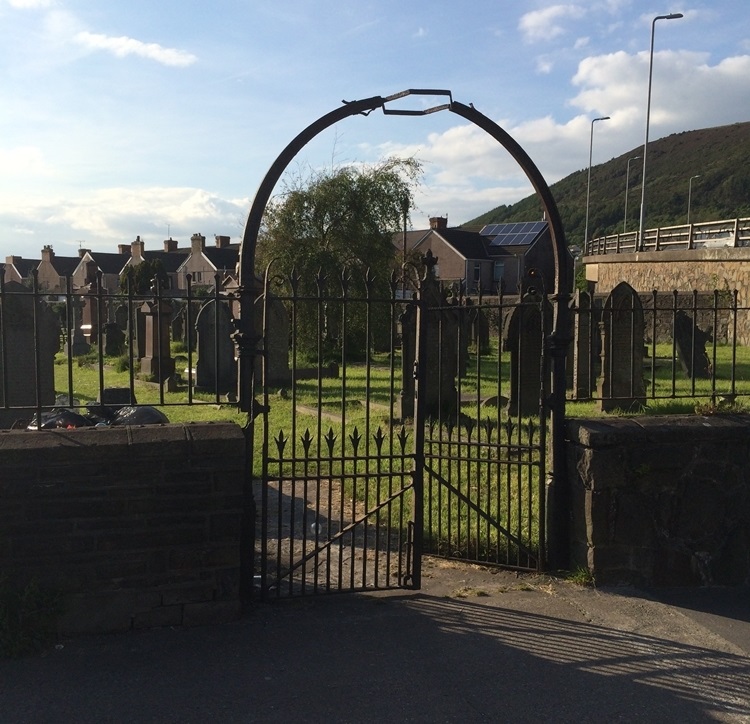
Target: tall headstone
(524, 340)
(437, 331)
(216, 369)
(622, 326)
(76, 343)
(157, 362)
(26, 362)
(584, 348)
(275, 333)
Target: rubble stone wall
(661, 501)
(136, 527)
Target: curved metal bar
(262, 196)
(562, 263)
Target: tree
(338, 222)
(141, 276)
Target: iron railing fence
(641, 350)
(92, 348)
(703, 235)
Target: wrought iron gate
(428, 438)
(406, 431)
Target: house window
(499, 272)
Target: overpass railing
(704, 235)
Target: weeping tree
(333, 225)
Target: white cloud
(24, 161)
(540, 25)
(123, 46)
(111, 216)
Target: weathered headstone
(584, 348)
(275, 330)
(480, 328)
(408, 323)
(76, 343)
(437, 325)
(113, 340)
(524, 340)
(157, 362)
(216, 369)
(622, 328)
(690, 341)
(24, 360)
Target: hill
(721, 156)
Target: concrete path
(472, 646)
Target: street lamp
(588, 186)
(671, 16)
(690, 193)
(627, 186)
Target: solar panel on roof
(516, 233)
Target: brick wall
(136, 526)
(661, 500)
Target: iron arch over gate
(293, 572)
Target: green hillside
(720, 155)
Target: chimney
(170, 244)
(438, 223)
(47, 253)
(197, 243)
(222, 242)
(13, 260)
(136, 248)
(83, 252)
(123, 248)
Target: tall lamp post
(627, 186)
(690, 193)
(588, 185)
(671, 16)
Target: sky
(160, 118)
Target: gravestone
(113, 340)
(480, 328)
(524, 340)
(19, 352)
(408, 323)
(90, 313)
(157, 362)
(584, 348)
(690, 341)
(78, 345)
(622, 327)
(275, 342)
(121, 316)
(438, 327)
(216, 369)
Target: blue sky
(161, 117)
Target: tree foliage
(339, 224)
(141, 276)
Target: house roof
(468, 244)
(223, 259)
(65, 265)
(24, 267)
(170, 260)
(108, 262)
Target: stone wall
(136, 526)
(704, 270)
(661, 500)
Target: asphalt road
(472, 646)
